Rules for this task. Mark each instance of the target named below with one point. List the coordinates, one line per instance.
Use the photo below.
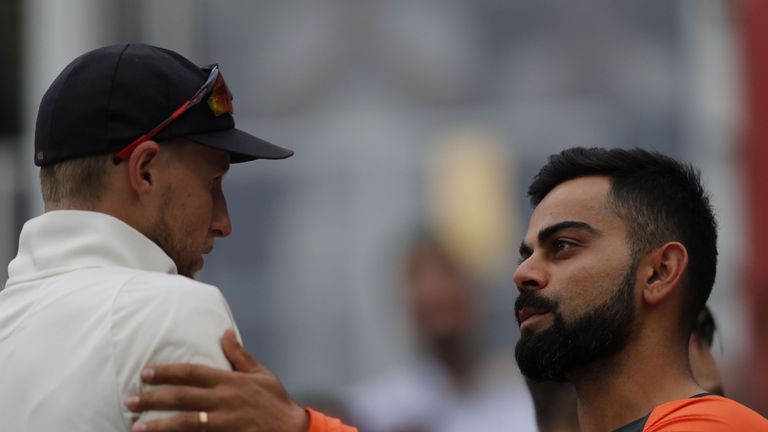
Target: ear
(662, 271)
(141, 165)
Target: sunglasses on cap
(219, 101)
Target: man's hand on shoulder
(248, 399)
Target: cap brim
(242, 146)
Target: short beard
(163, 235)
(551, 354)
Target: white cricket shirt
(88, 304)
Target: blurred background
(426, 119)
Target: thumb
(238, 357)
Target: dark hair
(428, 245)
(704, 327)
(659, 199)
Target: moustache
(529, 299)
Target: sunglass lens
(220, 100)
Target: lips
(527, 312)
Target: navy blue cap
(107, 98)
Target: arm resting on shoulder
(249, 399)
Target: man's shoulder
(166, 285)
(158, 297)
(171, 317)
(706, 413)
(162, 318)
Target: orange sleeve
(319, 422)
(706, 414)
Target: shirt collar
(65, 240)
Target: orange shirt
(319, 422)
(708, 413)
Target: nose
(221, 226)
(530, 275)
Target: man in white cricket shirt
(133, 142)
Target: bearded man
(618, 261)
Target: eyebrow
(546, 233)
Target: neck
(616, 390)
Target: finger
(241, 360)
(182, 422)
(172, 399)
(183, 374)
